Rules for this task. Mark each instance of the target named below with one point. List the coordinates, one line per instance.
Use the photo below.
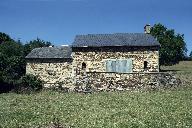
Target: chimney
(147, 28)
(51, 46)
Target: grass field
(165, 108)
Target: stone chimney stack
(147, 28)
(51, 46)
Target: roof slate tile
(50, 52)
(117, 39)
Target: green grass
(183, 71)
(168, 108)
(183, 66)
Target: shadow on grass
(5, 88)
(169, 70)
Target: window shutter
(121, 66)
(129, 65)
(125, 66)
(111, 66)
(108, 66)
(118, 65)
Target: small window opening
(145, 64)
(83, 65)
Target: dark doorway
(83, 66)
(145, 64)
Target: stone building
(102, 61)
(51, 64)
(120, 60)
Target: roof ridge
(111, 33)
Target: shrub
(28, 83)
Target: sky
(58, 21)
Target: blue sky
(59, 21)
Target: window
(111, 66)
(145, 64)
(83, 65)
(120, 65)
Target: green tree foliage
(35, 44)
(12, 63)
(11, 48)
(12, 59)
(190, 55)
(173, 47)
(4, 37)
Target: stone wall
(51, 72)
(95, 59)
(128, 81)
(61, 72)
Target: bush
(28, 83)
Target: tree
(173, 47)
(4, 37)
(11, 48)
(190, 55)
(35, 44)
(12, 59)
(12, 62)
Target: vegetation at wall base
(28, 84)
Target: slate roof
(50, 52)
(117, 39)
